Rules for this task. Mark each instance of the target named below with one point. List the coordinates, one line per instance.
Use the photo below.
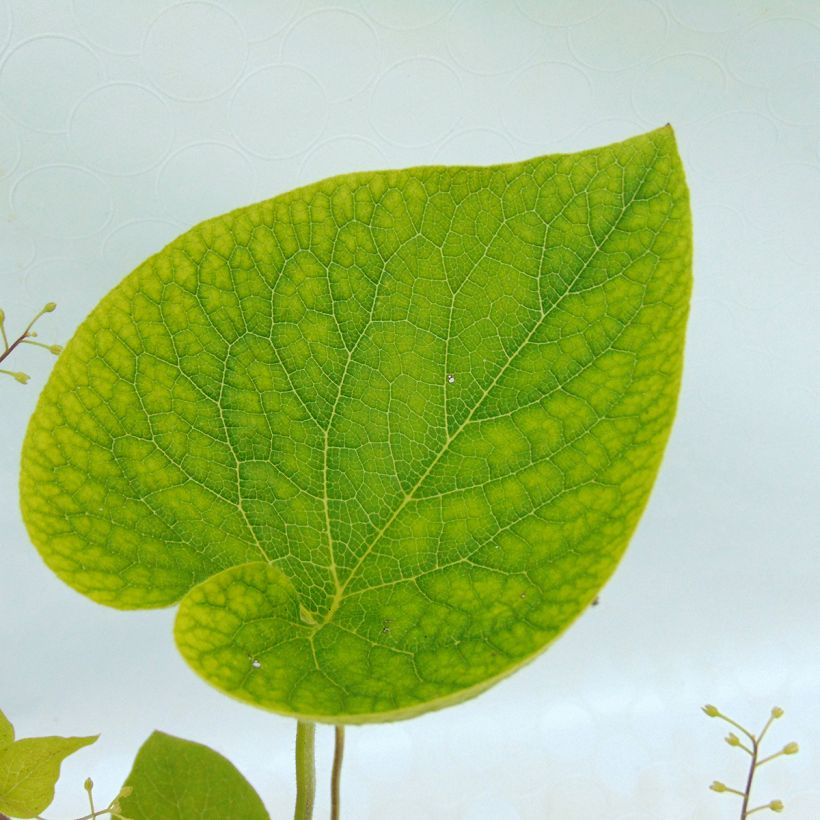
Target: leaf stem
(305, 770)
(336, 777)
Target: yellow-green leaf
(174, 779)
(384, 436)
(29, 770)
(6, 731)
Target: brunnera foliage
(381, 438)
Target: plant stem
(336, 777)
(305, 770)
(744, 809)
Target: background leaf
(6, 730)
(174, 778)
(29, 770)
(388, 433)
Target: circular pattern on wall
(320, 33)
(5, 25)
(477, 146)
(260, 19)
(120, 27)
(679, 88)
(340, 155)
(474, 23)
(771, 48)
(132, 242)
(10, 148)
(794, 96)
(733, 144)
(43, 77)
(560, 12)
(62, 201)
(200, 66)
(623, 35)
(204, 179)
(278, 111)
(716, 16)
(420, 84)
(121, 128)
(399, 14)
(18, 246)
(547, 102)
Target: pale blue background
(123, 123)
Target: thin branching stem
(744, 809)
(770, 757)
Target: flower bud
(776, 805)
(710, 710)
(21, 377)
(717, 786)
(89, 784)
(777, 712)
(55, 349)
(732, 739)
(2, 316)
(50, 307)
(791, 748)
(125, 791)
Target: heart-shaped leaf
(30, 769)
(174, 778)
(384, 436)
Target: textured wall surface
(121, 124)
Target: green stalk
(336, 777)
(305, 770)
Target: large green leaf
(30, 769)
(385, 436)
(174, 778)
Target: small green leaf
(29, 770)
(6, 731)
(385, 436)
(174, 778)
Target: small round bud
(21, 377)
(125, 791)
(777, 712)
(55, 349)
(791, 748)
(732, 739)
(710, 710)
(2, 315)
(776, 805)
(717, 786)
(89, 784)
(50, 307)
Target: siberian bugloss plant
(381, 439)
